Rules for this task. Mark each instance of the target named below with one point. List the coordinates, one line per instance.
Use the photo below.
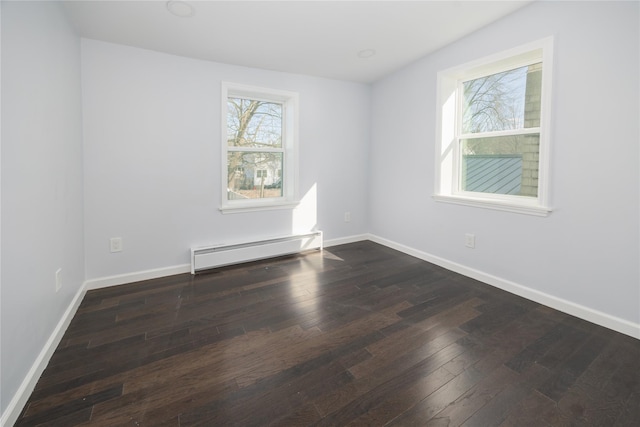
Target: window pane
(501, 165)
(252, 123)
(254, 175)
(503, 101)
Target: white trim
(19, 400)
(257, 206)
(595, 316)
(122, 279)
(137, 276)
(497, 205)
(515, 57)
(498, 133)
(345, 240)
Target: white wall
(587, 250)
(152, 157)
(150, 164)
(42, 205)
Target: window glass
(256, 178)
(503, 101)
(501, 165)
(253, 123)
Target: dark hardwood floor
(356, 335)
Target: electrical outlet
(115, 244)
(58, 279)
(470, 240)
(347, 217)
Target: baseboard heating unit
(205, 258)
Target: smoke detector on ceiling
(180, 8)
(366, 53)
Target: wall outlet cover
(115, 244)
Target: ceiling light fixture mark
(180, 8)
(366, 53)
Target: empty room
(327, 213)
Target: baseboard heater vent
(205, 258)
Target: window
(493, 126)
(259, 148)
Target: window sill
(520, 208)
(257, 207)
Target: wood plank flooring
(357, 335)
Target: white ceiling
(321, 38)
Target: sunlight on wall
(305, 215)
(448, 116)
(447, 142)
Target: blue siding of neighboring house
(498, 174)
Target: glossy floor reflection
(356, 335)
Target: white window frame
(449, 133)
(290, 102)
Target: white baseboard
(19, 400)
(345, 240)
(121, 279)
(12, 412)
(598, 317)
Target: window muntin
(493, 120)
(259, 152)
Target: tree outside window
(259, 149)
